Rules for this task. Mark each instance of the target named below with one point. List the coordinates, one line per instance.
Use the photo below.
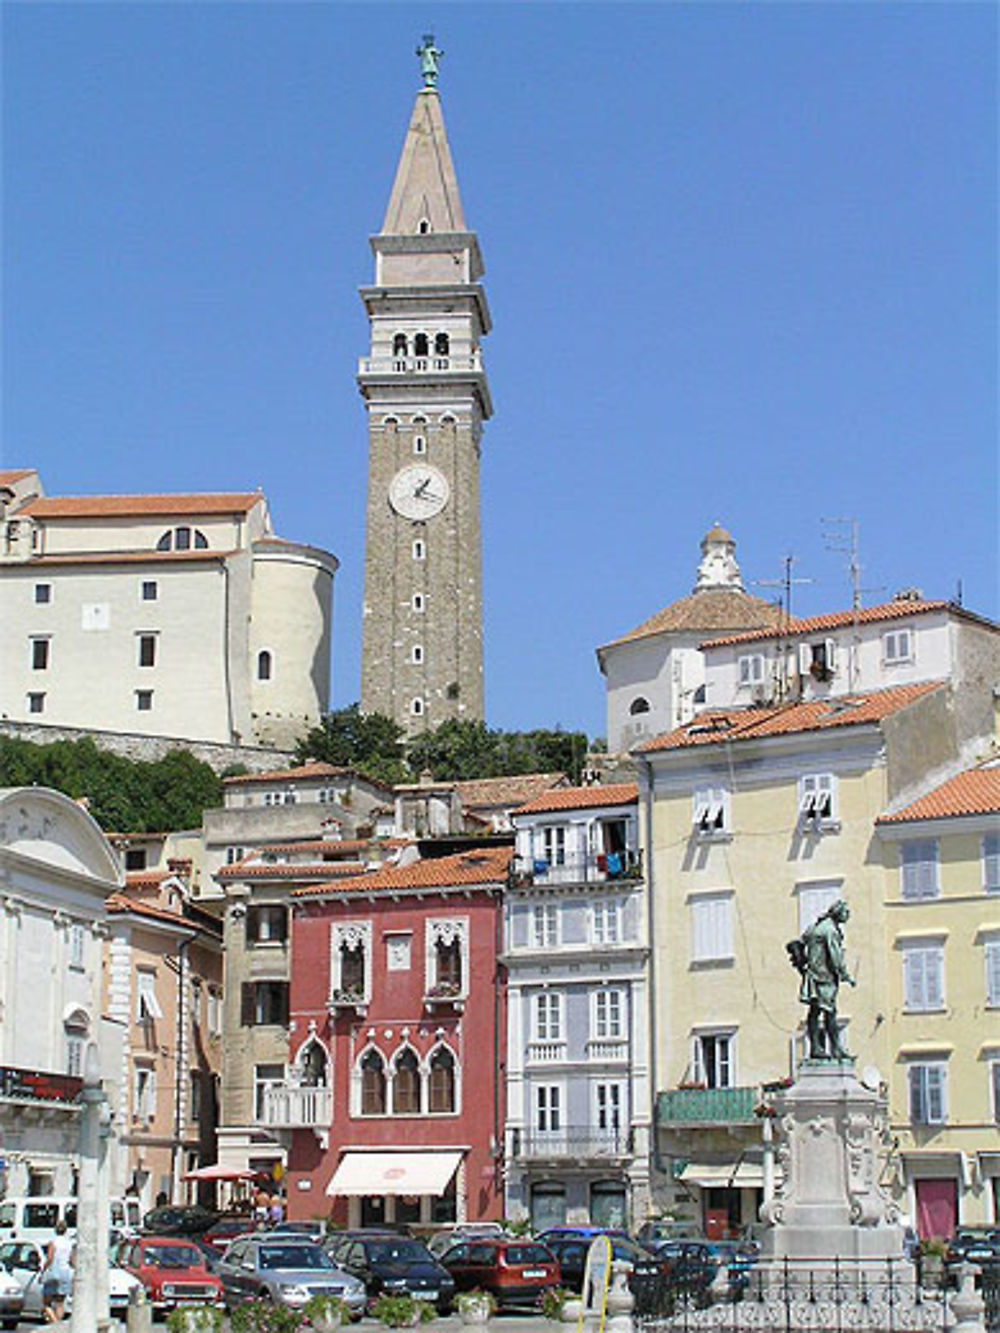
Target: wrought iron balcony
(707, 1106)
(576, 1142)
(292, 1106)
(594, 868)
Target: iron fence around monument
(791, 1296)
(990, 1288)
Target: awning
(394, 1172)
(725, 1175)
(219, 1172)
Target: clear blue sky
(741, 261)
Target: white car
(21, 1262)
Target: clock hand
(422, 486)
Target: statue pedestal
(830, 1204)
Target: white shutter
(993, 972)
(935, 1094)
(933, 978)
(805, 658)
(913, 978)
(830, 649)
(991, 863)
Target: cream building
(941, 857)
(756, 821)
(160, 615)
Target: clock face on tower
(418, 491)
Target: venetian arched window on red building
(441, 1087)
(406, 1083)
(373, 1084)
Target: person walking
(57, 1274)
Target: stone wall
(254, 758)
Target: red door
(937, 1208)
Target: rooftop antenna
(786, 583)
(843, 535)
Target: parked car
(287, 1271)
(392, 1264)
(172, 1220)
(313, 1231)
(22, 1261)
(571, 1254)
(976, 1245)
(448, 1236)
(687, 1264)
(15, 1276)
(580, 1233)
(515, 1272)
(734, 1261)
(224, 1231)
(172, 1271)
(651, 1234)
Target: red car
(515, 1272)
(223, 1232)
(172, 1271)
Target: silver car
(23, 1260)
(285, 1270)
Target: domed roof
(714, 610)
(716, 533)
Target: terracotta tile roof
(488, 866)
(192, 919)
(717, 725)
(11, 475)
(316, 769)
(128, 558)
(710, 609)
(335, 846)
(868, 615)
(284, 870)
(974, 792)
(582, 798)
(509, 790)
(138, 506)
(147, 879)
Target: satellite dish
(871, 1078)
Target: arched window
(421, 346)
(442, 344)
(372, 1084)
(441, 1089)
(264, 665)
(182, 539)
(638, 706)
(399, 345)
(406, 1083)
(76, 1027)
(312, 1064)
(417, 707)
(424, 226)
(352, 967)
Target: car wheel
(10, 1323)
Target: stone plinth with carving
(829, 1203)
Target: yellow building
(756, 821)
(942, 893)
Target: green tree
(458, 750)
(368, 742)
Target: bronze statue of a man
(819, 956)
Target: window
(995, 1089)
(400, 346)
(234, 854)
(638, 706)
(39, 654)
(544, 925)
(442, 344)
(417, 707)
(420, 444)
(712, 927)
(711, 813)
(264, 665)
(607, 1014)
(74, 1055)
(144, 1092)
(264, 1003)
(147, 649)
(991, 863)
(897, 646)
(144, 701)
(919, 860)
(406, 1083)
(214, 1012)
(991, 953)
(548, 1016)
(814, 898)
(147, 1006)
(817, 792)
(417, 654)
(441, 1085)
(135, 858)
(76, 939)
(417, 602)
(712, 1060)
(751, 669)
(373, 1100)
(609, 1100)
(421, 344)
(554, 844)
(818, 659)
(445, 945)
(928, 1086)
(149, 590)
(264, 1077)
(36, 702)
(606, 921)
(398, 951)
(419, 549)
(43, 594)
(350, 951)
(267, 924)
(923, 977)
(548, 1108)
(195, 1096)
(182, 539)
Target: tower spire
(425, 194)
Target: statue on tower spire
(429, 56)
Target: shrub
(264, 1317)
(327, 1308)
(402, 1311)
(553, 1301)
(195, 1319)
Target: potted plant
(194, 1319)
(265, 1317)
(931, 1260)
(475, 1307)
(326, 1313)
(403, 1311)
(554, 1302)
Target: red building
(395, 1098)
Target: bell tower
(427, 396)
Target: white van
(34, 1217)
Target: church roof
(137, 506)
(426, 186)
(710, 609)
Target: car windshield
(293, 1256)
(171, 1256)
(397, 1251)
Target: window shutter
(247, 1004)
(805, 658)
(830, 649)
(993, 972)
(913, 978)
(933, 978)
(935, 1094)
(918, 1111)
(991, 863)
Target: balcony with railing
(707, 1107)
(291, 1106)
(581, 1143)
(421, 365)
(593, 868)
